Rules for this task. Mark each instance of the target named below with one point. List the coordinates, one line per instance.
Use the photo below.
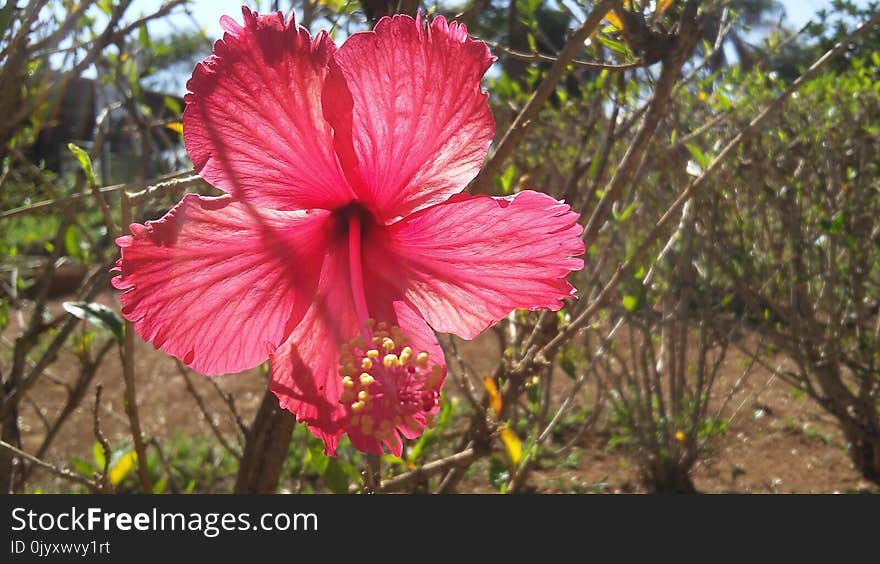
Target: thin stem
(128, 375)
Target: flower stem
(356, 272)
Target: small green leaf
(700, 157)
(318, 461)
(630, 303)
(159, 486)
(85, 162)
(624, 215)
(144, 36)
(616, 46)
(98, 455)
(74, 244)
(506, 179)
(97, 314)
(335, 476)
(499, 475)
(82, 466)
(173, 105)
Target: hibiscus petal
(466, 263)
(305, 369)
(412, 125)
(219, 284)
(253, 124)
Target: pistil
(356, 272)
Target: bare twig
(140, 192)
(401, 481)
(675, 208)
(131, 408)
(521, 124)
(106, 486)
(75, 395)
(206, 414)
(230, 404)
(542, 58)
(60, 472)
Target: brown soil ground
(776, 442)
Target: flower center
(386, 386)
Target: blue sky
(207, 12)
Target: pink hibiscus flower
(343, 239)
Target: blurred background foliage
(771, 270)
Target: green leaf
(335, 476)
(159, 486)
(85, 162)
(499, 475)
(74, 244)
(568, 366)
(144, 36)
(616, 46)
(317, 460)
(506, 179)
(624, 215)
(700, 157)
(98, 455)
(173, 105)
(4, 313)
(445, 415)
(630, 303)
(82, 466)
(98, 315)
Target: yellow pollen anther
(405, 354)
(388, 344)
(366, 380)
(347, 383)
(358, 406)
(366, 363)
(364, 396)
(373, 354)
(422, 359)
(390, 360)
